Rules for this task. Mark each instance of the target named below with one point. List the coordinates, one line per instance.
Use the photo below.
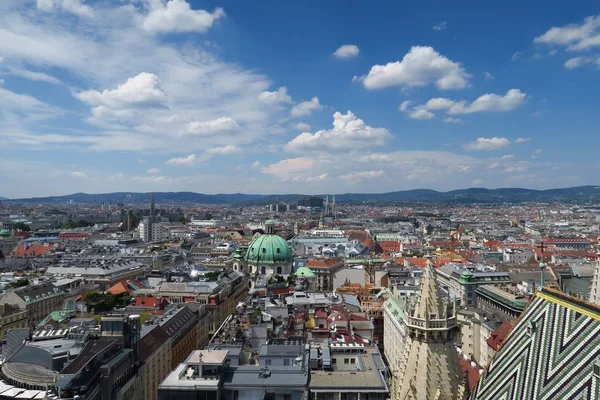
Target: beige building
(37, 300)
(11, 317)
(169, 340)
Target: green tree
(22, 226)
(19, 283)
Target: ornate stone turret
(429, 368)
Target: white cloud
(256, 164)
(514, 168)
(289, 168)
(187, 161)
(507, 157)
(476, 182)
(485, 103)
(276, 97)
(78, 174)
(482, 143)
(522, 140)
(73, 6)
(219, 125)
(581, 36)
(452, 120)
(306, 107)
(488, 76)
(494, 165)
(421, 113)
(355, 177)
(577, 62)
(347, 51)
(301, 126)
(419, 67)
(440, 27)
(319, 178)
(225, 150)
(143, 91)
(516, 55)
(154, 171)
(404, 105)
(33, 76)
(349, 132)
(536, 154)
(176, 16)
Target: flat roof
(209, 357)
(368, 378)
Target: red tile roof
(147, 301)
(32, 250)
(498, 336)
(467, 368)
(323, 263)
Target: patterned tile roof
(549, 354)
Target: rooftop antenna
(542, 266)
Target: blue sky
(311, 96)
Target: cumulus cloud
(487, 144)
(72, 6)
(485, 103)
(306, 107)
(186, 161)
(404, 105)
(452, 120)
(507, 157)
(276, 97)
(301, 126)
(290, 167)
(514, 168)
(421, 113)
(476, 182)
(421, 66)
(348, 132)
(224, 150)
(487, 76)
(78, 174)
(154, 171)
(522, 140)
(577, 62)
(355, 177)
(141, 91)
(177, 16)
(219, 125)
(346, 51)
(575, 36)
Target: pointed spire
(429, 300)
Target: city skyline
(273, 98)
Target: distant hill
(3, 198)
(472, 195)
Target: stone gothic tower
(429, 366)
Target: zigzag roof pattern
(551, 353)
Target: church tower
(429, 366)
(595, 289)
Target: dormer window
(530, 328)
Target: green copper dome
(269, 248)
(5, 232)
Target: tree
(22, 226)
(19, 283)
(183, 220)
